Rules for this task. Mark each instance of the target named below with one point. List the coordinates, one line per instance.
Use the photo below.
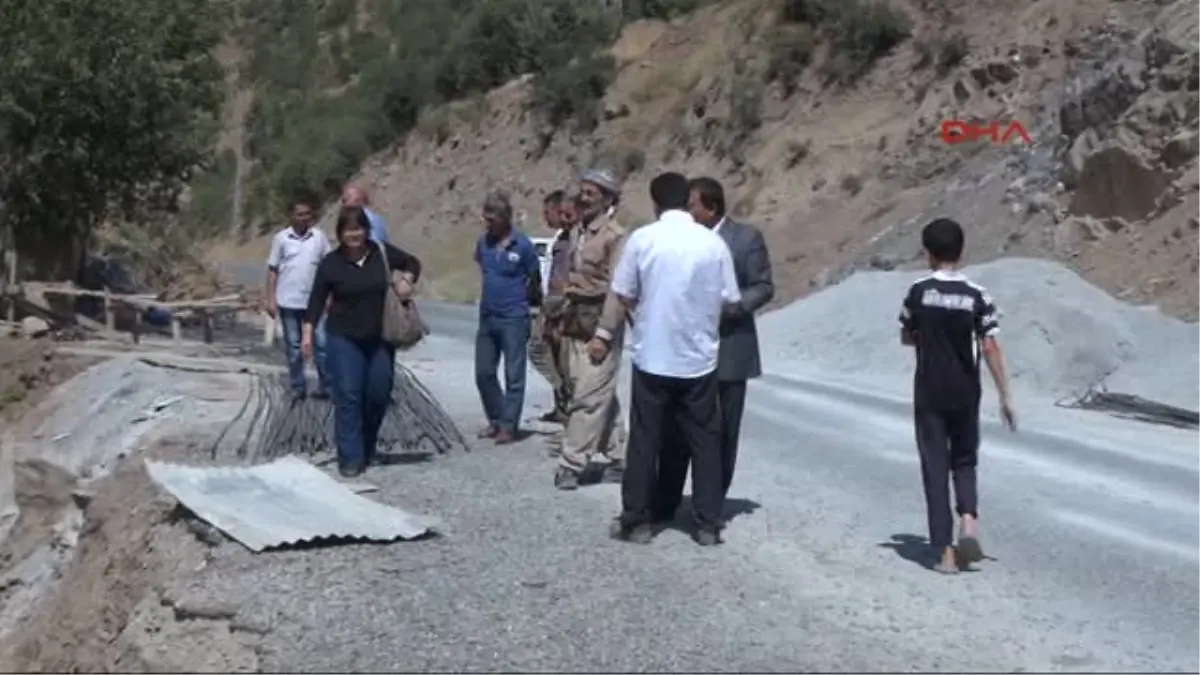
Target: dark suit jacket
(739, 357)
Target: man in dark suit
(738, 359)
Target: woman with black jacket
(353, 282)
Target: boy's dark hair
(306, 198)
(669, 191)
(944, 240)
(711, 194)
(554, 198)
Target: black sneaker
(350, 471)
(638, 534)
(566, 479)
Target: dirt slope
(841, 178)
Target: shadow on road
(341, 542)
(382, 458)
(402, 458)
(734, 507)
(915, 549)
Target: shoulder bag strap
(387, 272)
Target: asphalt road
(1092, 523)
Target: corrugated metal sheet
(284, 502)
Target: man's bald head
(354, 195)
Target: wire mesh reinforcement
(1135, 407)
(271, 424)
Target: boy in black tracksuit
(950, 320)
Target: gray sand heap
(1061, 334)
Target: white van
(544, 247)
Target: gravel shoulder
(1095, 568)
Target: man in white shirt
(674, 277)
(291, 266)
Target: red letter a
(1016, 128)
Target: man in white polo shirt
(674, 277)
(291, 266)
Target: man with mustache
(594, 422)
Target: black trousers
(948, 441)
(732, 399)
(673, 465)
(673, 419)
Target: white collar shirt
(295, 257)
(680, 274)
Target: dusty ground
(86, 570)
(28, 370)
(112, 611)
(838, 178)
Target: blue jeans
(290, 320)
(361, 373)
(495, 338)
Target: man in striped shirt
(950, 321)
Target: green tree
(106, 109)
(325, 101)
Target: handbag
(403, 327)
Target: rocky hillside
(839, 158)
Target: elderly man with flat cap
(595, 425)
(511, 286)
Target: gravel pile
(1061, 334)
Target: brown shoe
(504, 437)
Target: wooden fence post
(11, 262)
(110, 315)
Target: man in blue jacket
(511, 285)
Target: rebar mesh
(1134, 407)
(273, 424)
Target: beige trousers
(595, 424)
